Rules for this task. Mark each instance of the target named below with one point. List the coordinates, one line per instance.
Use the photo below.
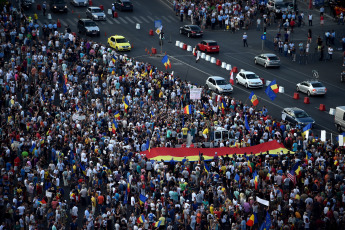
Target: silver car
(95, 13)
(218, 85)
(311, 88)
(80, 2)
(267, 60)
(298, 116)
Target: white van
(339, 118)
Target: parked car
(80, 2)
(119, 43)
(218, 85)
(248, 79)
(191, 31)
(88, 27)
(95, 13)
(311, 88)
(58, 5)
(123, 5)
(267, 60)
(208, 46)
(297, 116)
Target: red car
(208, 46)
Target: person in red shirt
(16, 163)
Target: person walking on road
(244, 38)
(310, 18)
(113, 10)
(44, 8)
(330, 52)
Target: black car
(88, 27)
(26, 4)
(123, 5)
(58, 5)
(191, 31)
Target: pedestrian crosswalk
(120, 20)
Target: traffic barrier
(110, 11)
(331, 111)
(105, 33)
(223, 65)
(38, 7)
(137, 26)
(116, 15)
(234, 69)
(90, 2)
(102, 7)
(153, 50)
(296, 96)
(208, 58)
(213, 60)
(177, 43)
(184, 47)
(268, 83)
(322, 107)
(263, 80)
(189, 48)
(228, 67)
(281, 89)
(306, 100)
(49, 16)
(203, 55)
(151, 34)
(218, 62)
(58, 24)
(181, 45)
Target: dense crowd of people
(76, 118)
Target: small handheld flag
(166, 62)
(253, 99)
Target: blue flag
(268, 221)
(270, 93)
(246, 123)
(147, 144)
(263, 226)
(237, 177)
(64, 87)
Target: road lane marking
(116, 21)
(129, 19)
(144, 19)
(110, 21)
(137, 19)
(166, 19)
(173, 18)
(151, 18)
(123, 20)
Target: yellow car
(119, 43)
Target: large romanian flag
(192, 154)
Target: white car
(218, 85)
(95, 13)
(248, 79)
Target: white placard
(323, 135)
(49, 194)
(341, 140)
(307, 134)
(195, 93)
(262, 201)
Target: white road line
(116, 21)
(67, 21)
(129, 19)
(75, 19)
(144, 19)
(110, 21)
(172, 18)
(103, 22)
(166, 19)
(151, 18)
(123, 20)
(137, 19)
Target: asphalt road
(232, 52)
